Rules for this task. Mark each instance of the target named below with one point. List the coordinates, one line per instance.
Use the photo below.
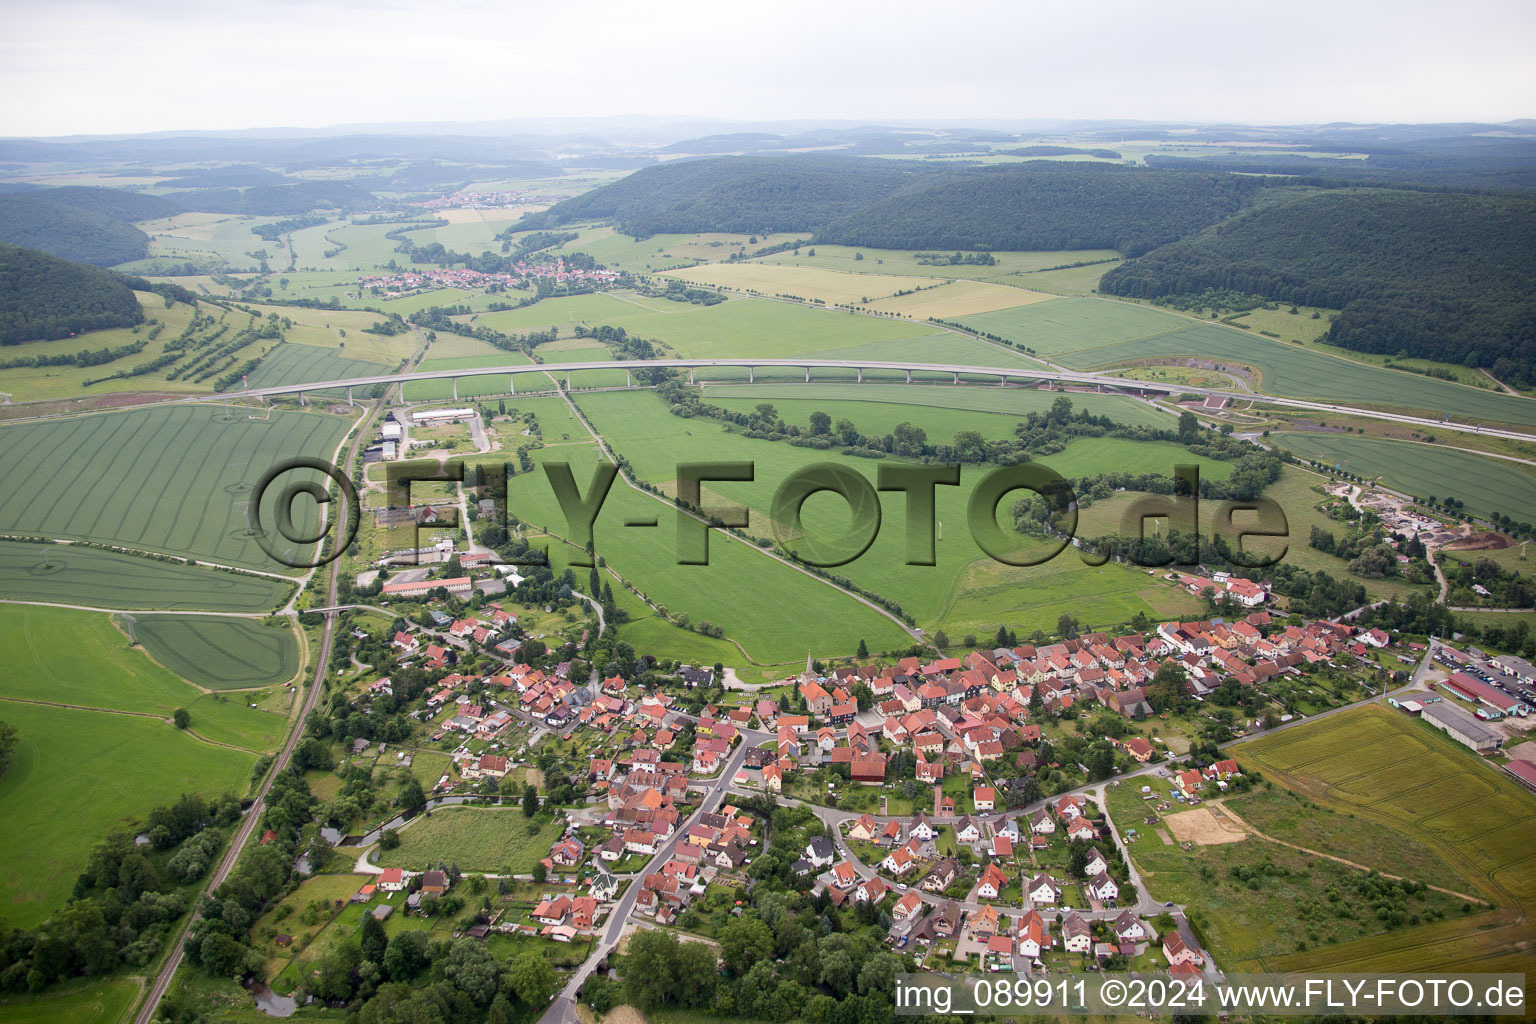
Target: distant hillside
(1434, 275)
(1044, 206)
(903, 205)
(276, 200)
(35, 221)
(43, 297)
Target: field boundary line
(132, 714)
(1240, 823)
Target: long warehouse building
(1480, 692)
(1462, 727)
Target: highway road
(1003, 374)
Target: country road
(162, 980)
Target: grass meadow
(221, 654)
(1486, 485)
(72, 574)
(174, 479)
(476, 839)
(1386, 767)
(1295, 901)
(77, 775)
(98, 1001)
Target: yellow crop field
(958, 298)
(830, 286)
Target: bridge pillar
(629, 379)
(567, 380)
(1001, 380)
(455, 389)
(807, 374)
(750, 378)
(860, 372)
(690, 375)
(349, 394)
(909, 376)
(511, 383)
(957, 377)
(303, 398)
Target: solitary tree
(182, 718)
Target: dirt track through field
(1241, 824)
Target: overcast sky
(88, 66)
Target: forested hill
(742, 194)
(42, 296)
(909, 205)
(1435, 275)
(35, 221)
(117, 203)
(1044, 206)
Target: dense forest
(34, 221)
(1044, 205)
(42, 297)
(899, 205)
(117, 203)
(742, 194)
(1426, 274)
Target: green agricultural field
(940, 409)
(62, 656)
(1487, 485)
(1387, 768)
(965, 586)
(72, 574)
(737, 328)
(1011, 267)
(940, 347)
(830, 286)
(99, 1001)
(173, 479)
(78, 775)
(221, 654)
(958, 298)
(776, 621)
(476, 839)
(1092, 333)
(301, 364)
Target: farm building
(1524, 772)
(1462, 727)
(1480, 692)
(458, 585)
(1521, 669)
(440, 415)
